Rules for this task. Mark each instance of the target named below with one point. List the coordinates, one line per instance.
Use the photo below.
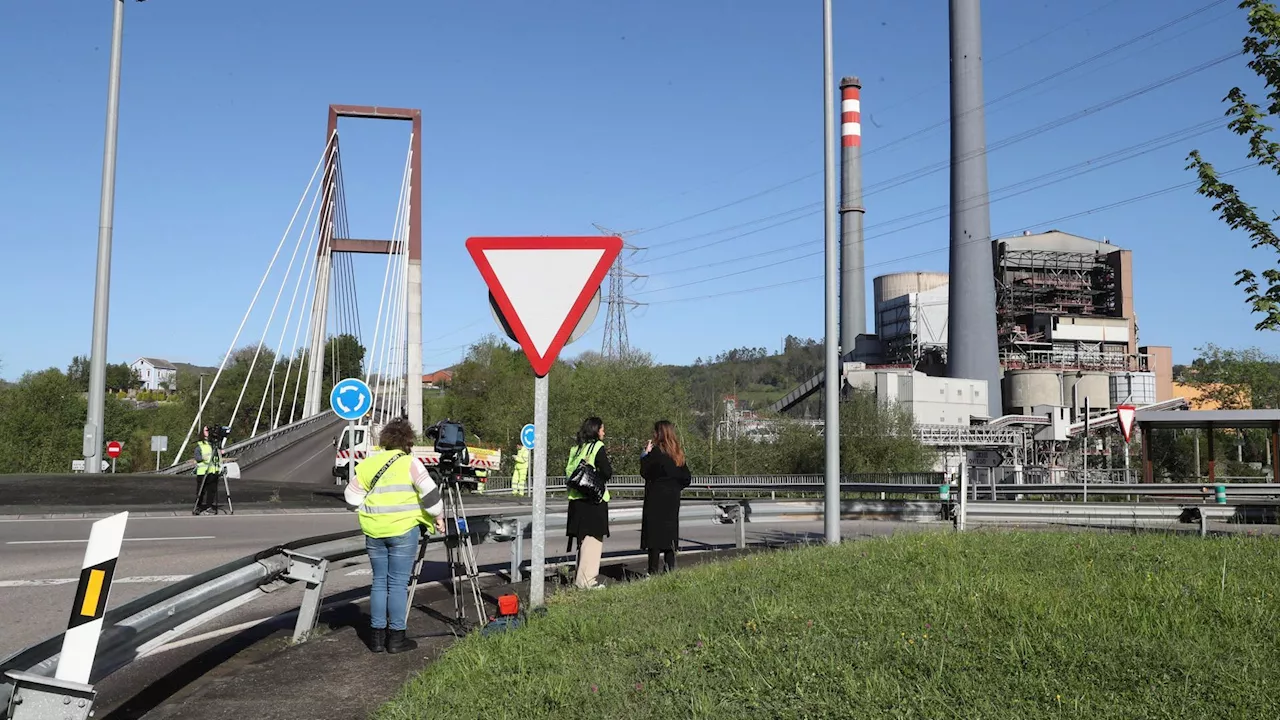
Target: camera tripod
(226, 486)
(460, 555)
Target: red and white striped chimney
(850, 113)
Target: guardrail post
(36, 697)
(517, 553)
(1204, 523)
(312, 571)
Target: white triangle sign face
(543, 285)
(1125, 415)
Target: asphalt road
(40, 560)
(309, 461)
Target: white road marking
(82, 540)
(364, 571)
(140, 579)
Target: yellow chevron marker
(92, 591)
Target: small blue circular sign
(527, 435)
(351, 399)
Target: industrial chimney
(853, 280)
(971, 328)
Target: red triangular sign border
(1124, 416)
(477, 246)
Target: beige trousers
(589, 552)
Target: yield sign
(543, 285)
(1124, 414)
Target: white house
(155, 373)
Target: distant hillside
(194, 369)
(756, 377)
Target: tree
(1236, 379)
(122, 377)
(1262, 44)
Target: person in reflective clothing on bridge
(208, 459)
(394, 497)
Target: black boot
(398, 643)
(378, 639)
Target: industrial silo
(1133, 388)
(1091, 384)
(1025, 389)
(895, 285)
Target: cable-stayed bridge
(309, 297)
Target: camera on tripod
(454, 468)
(218, 433)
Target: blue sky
(542, 118)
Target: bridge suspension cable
(388, 353)
(325, 156)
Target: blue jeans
(392, 562)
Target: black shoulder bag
(586, 480)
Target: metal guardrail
(255, 449)
(924, 482)
(1100, 514)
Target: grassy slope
(981, 625)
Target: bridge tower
(320, 307)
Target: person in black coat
(665, 475)
(588, 522)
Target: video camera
(450, 441)
(218, 433)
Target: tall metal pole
(971, 344)
(93, 430)
(831, 381)
(537, 553)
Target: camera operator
(208, 457)
(394, 496)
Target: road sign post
(159, 444)
(113, 451)
(351, 399)
(542, 291)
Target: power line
(925, 171)
(1021, 187)
(945, 121)
(1100, 208)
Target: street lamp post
(831, 382)
(93, 429)
(200, 404)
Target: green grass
(978, 625)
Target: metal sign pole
(537, 553)
(1084, 452)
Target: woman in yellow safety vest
(588, 521)
(394, 497)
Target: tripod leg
(417, 571)
(226, 485)
(195, 509)
(473, 570)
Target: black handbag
(586, 481)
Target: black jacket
(663, 481)
(588, 519)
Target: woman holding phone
(665, 475)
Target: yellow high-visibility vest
(393, 507)
(579, 453)
(207, 460)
